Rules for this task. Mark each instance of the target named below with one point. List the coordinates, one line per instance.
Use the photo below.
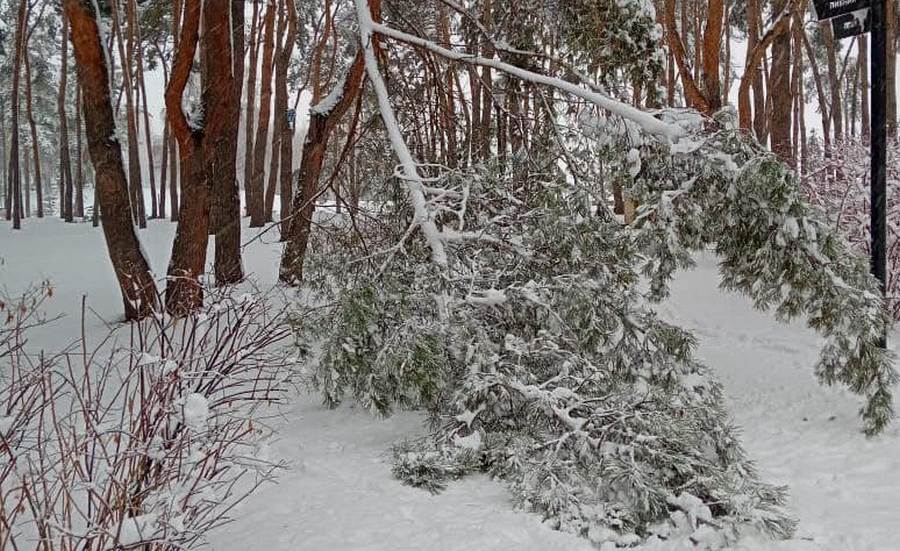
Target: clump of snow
(196, 411)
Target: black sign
(852, 24)
(828, 9)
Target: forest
(450, 274)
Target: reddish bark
(130, 265)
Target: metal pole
(879, 149)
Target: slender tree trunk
(726, 70)
(820, 92)
(280, 113)
(35, 144)
(836, 108)
(757, 82)
(227, 203)
(257, 181)
(135, 181)
(670, 78)
(448, 117)
(866, 129)
(14, 188)
(487, 92)
(139, 59)
(4, 180)
(27, 191)
(780, 85)
(890, 16)
(79, 156)
(322, 123)
(249, 126)
(131, 267)
(796, 84)
(287, 133)
(164, 171)
(174, 164)
(174, 179)
(65, 163)
(694, 97)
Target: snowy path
(339, 494)
(845, 489)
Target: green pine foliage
(719, 190)
(539, 360)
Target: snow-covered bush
(540, 363)
(839, 184)
(717, 189)
(146, 441)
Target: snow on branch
(646, 121)
(411, 178)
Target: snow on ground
(338, 494)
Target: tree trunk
(712, 45)
(139, 58)
(26, 193)
(755, 55)
(183, 290)
(164, 171)
(135, 182)
(174, 179)
(131, 267)
(205, 146)
(65, 163)
(866, 129)
(834, 82)
(780, 90)
(79, 156)
(287, 132)
(35, 145)
(174, 165)
(257, 180)
(4, 180)
(255, 31)
(14, 187)
(322, 123)
(820, 91)
(692, 94)
(890, 16)
(756, 77)
(280, 110)
(227, 203)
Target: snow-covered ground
(338, 494)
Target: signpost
(852, 24)
(878, 204)
(850, 18)
(829, 9)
